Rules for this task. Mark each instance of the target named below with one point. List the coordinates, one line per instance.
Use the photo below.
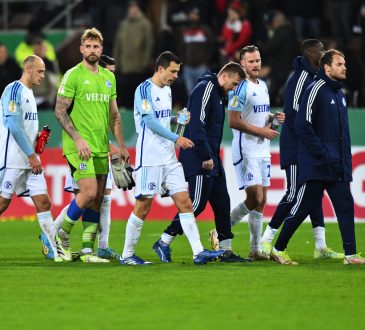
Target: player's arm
(115, 125)
(62, 105)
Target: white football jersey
(153, 149)
(17, 100)
(252, 100)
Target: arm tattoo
(62, 105)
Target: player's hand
(184, 143)
(83, 148)
(124, 154)
(269, 133)
(35, 164)
(208, 164)
(280, 116)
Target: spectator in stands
(132, 52)
(9, 69)
(196, 47)
(236, 32)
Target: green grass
(39, 294)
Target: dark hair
(309, 43)
(248, 49)
(165, 58)
(327, 57)
(106, 60)
(233, 68)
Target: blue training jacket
(322, 128)
(205, 128)
(297, 83)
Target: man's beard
(92, 61)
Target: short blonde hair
(93, 34)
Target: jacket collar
(334, 84)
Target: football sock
(226, 245)
(47, 224)
(166, 238)
(319, 237)
(90, 221)
(255, 220)
(132, 233)
(60, 217)
(73, 214)
(238, 213)
(104, 228)
(191, 231)
(269, 234)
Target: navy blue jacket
(205, 128)
(297, 83)
(322, 128)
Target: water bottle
(275, 124)
(181, 121)
(42, 139)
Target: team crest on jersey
(83, 166)
(61, 90)
(152, 186)
(108, 84)
(146, 106)
(234, 101)
(12, 106)
(344, 101)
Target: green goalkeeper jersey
(89, 113)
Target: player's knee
(87, 198)
(43, 205)
(185, 206)
(4, 203)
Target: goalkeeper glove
(122, 173)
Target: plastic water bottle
(42, 139)
(181, 121)
(275, 124)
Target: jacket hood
(301, 63)
(335, 84)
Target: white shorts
(164, 180)
(253, 171)
(71, 184)
(22, 182)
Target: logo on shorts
(82, 166)
(249, 176)
(7, 184)
(152, 186)
(108, 84)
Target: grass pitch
(39, 294)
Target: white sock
(226, 245)
(191, 231)
(238, 213)
(255, 220)
(47, 224)
(319, 237)
(167, 239)
(132, 233)
(60, 217)
(104, 227)
(269, 235)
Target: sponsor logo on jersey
(7, 184)
(12, 106)
(108, 84)
(31, 116)
(234, 101)
(83, 166)
(96, 97)
(163, 113)
(261, 108)
(146, 106)
(152, 186)
(249, 176)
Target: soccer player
(20, 168)
(91, 90)
(202, 164)
(156, 165)
(324, 157)
(250, 118)
(305, 67)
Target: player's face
(251, 63)
(91, 50)
(37, 71)
(316, 52)
(230, 82)
(170, 74)
(337, 69)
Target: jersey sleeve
(68, 84)
(143, 99)
(237, 98)
(11, 100)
